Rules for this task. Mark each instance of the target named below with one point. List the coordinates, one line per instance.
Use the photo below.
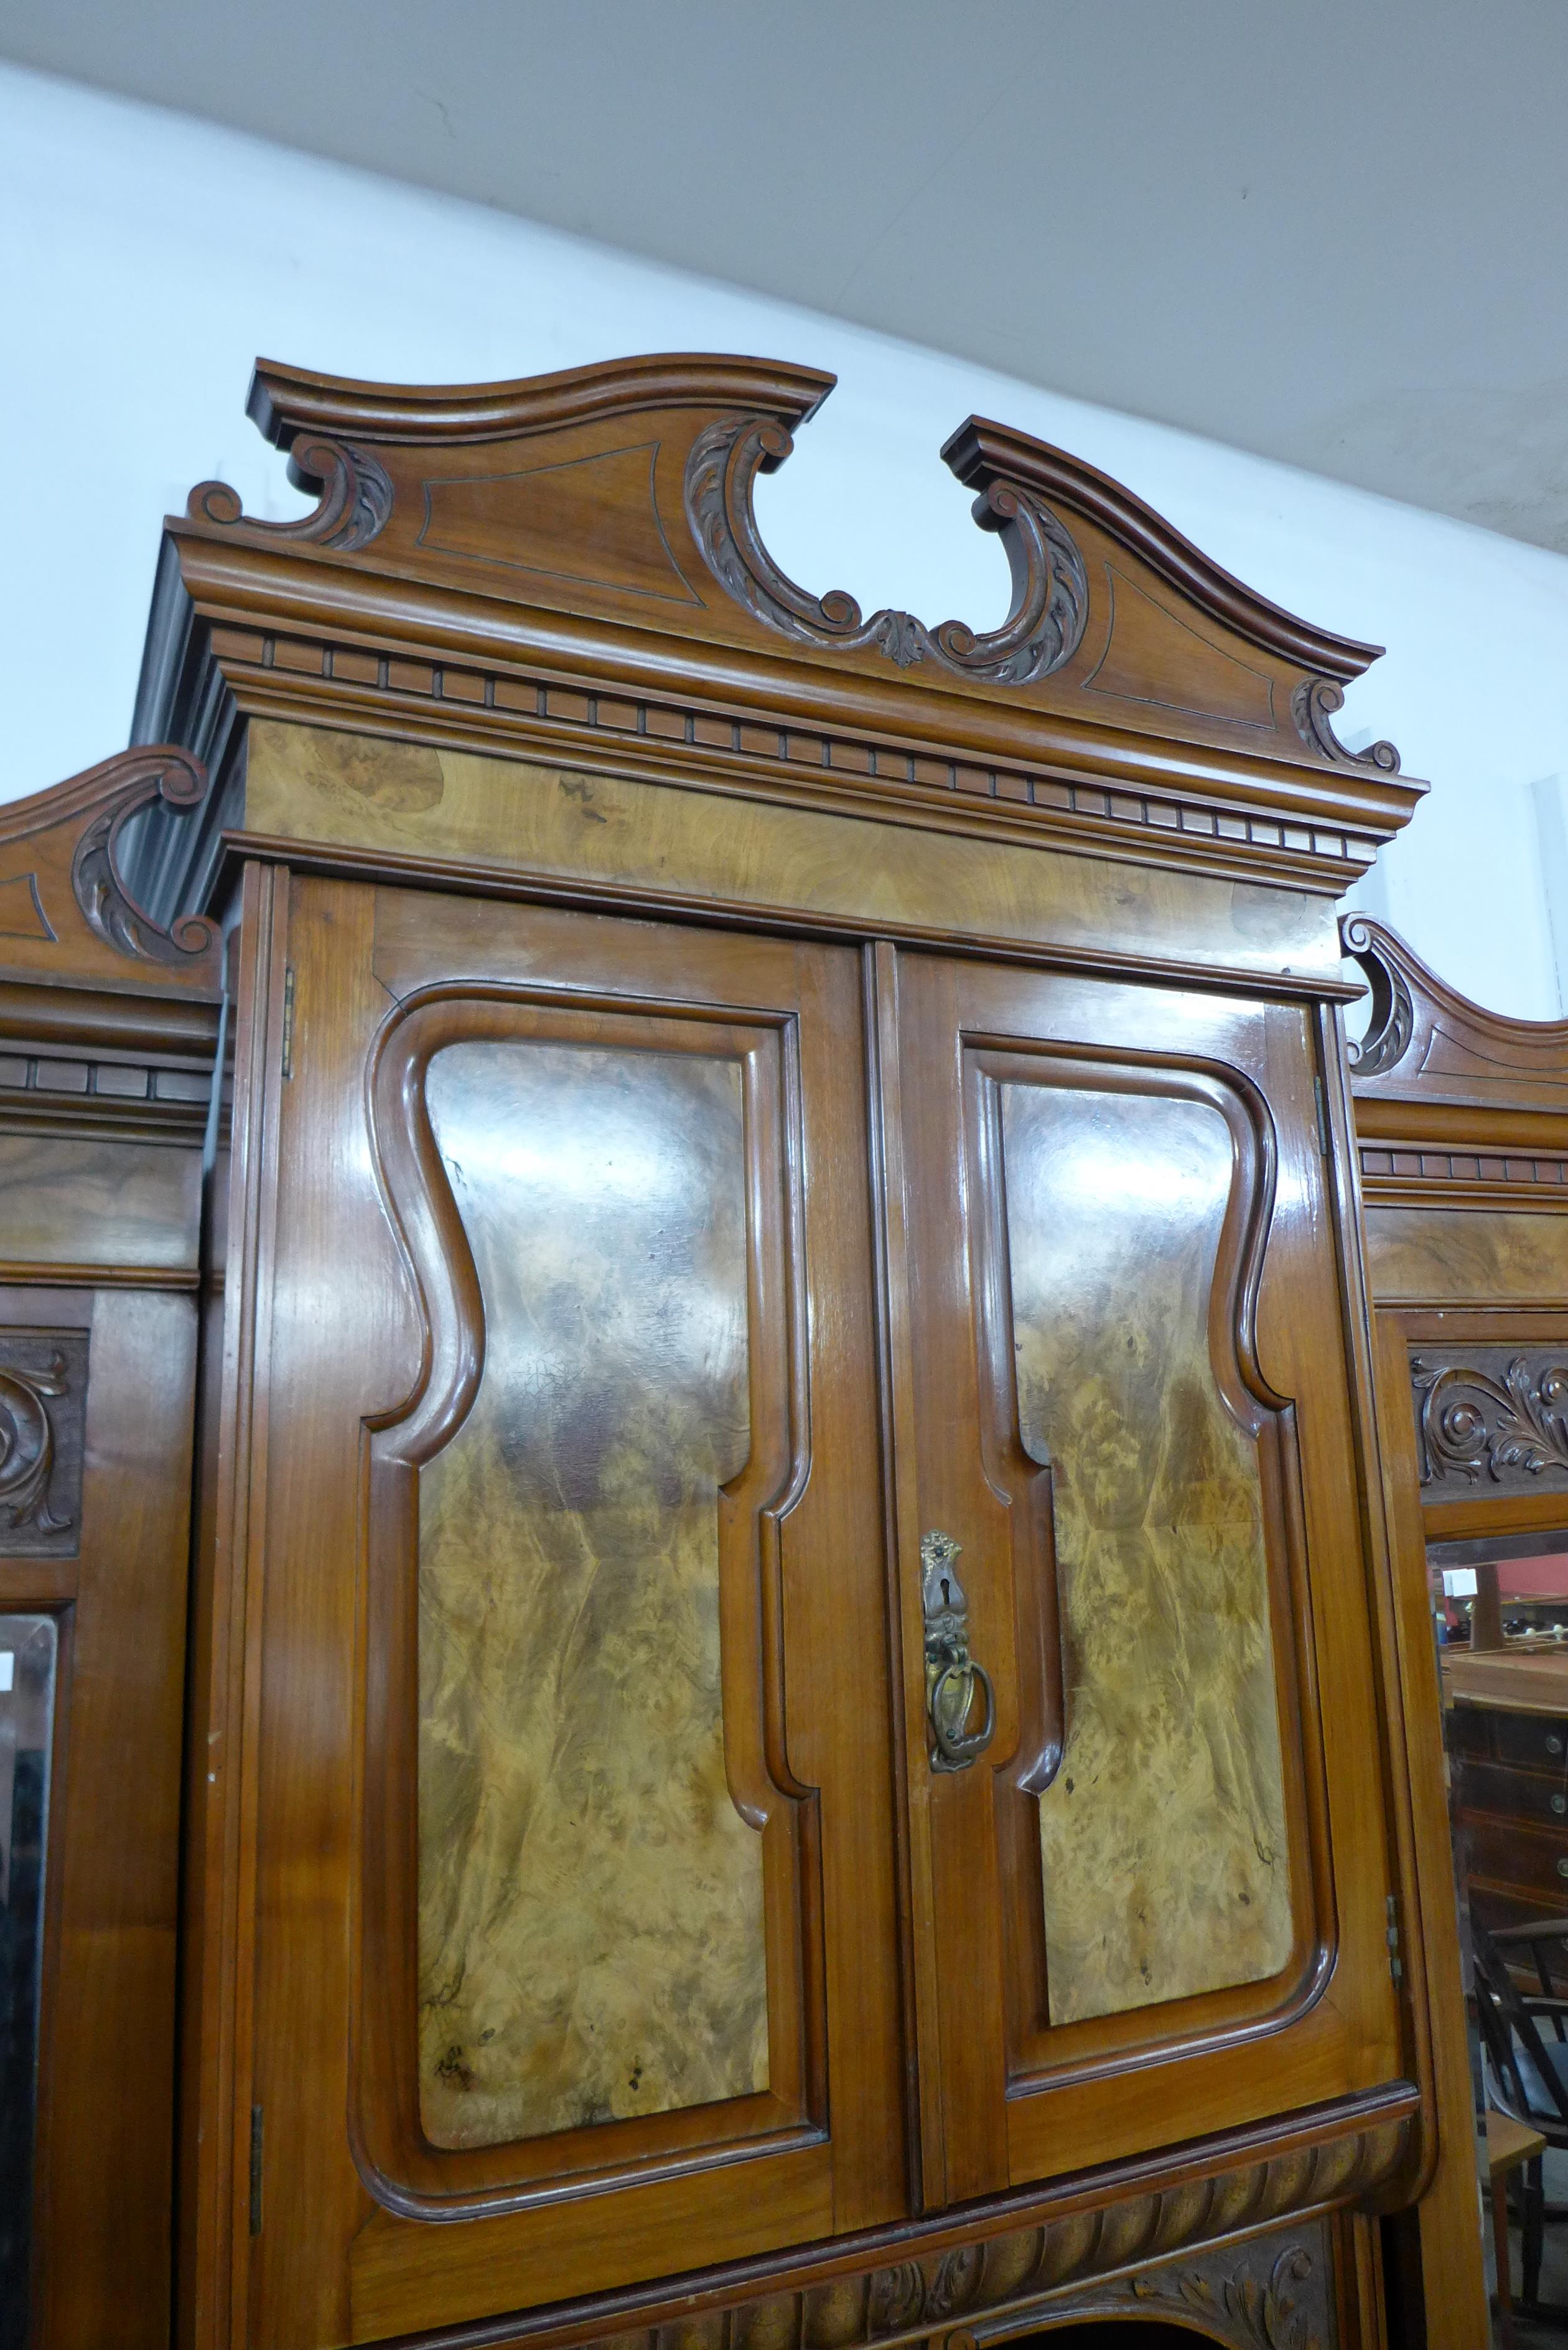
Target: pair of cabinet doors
(657, 1326)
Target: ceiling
(1332, 232)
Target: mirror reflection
(1500, 1609)
(27, 1648)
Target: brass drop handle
(952, 1672)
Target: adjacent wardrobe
(799, 1724)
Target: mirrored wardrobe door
(95, 1450)
(1126, 1418)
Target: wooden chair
(1509, 2147)
(1526, 2069)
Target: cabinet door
(1153, 1905)
(576, 1955)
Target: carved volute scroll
(66, 909)
(1427, 1041)
(1391, 1022)
(1491, 1415)
(1314, 705)
(1455, 1105)
(42, 1407)
(354, 491)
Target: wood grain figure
(800, 1728)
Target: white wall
(146, 258)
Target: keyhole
(947, 1593)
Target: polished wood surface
(804, 1638)
(560, 1564)
(108, 1023)
(1507, 1725)
(664, 842)
(1064, 724)
(1509, 2146)
(1461, 1142)
(1023, 2091)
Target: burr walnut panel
(670, 838)
(591, 1927)
(1162, 1835)
(1444, 1255)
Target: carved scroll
(355, 489)
(64, 901)
(1387, 1038)
(1498, 1414)
(1050, 586)
(43, 1397)
(1253, 2296)
(1313, 706)
(97, 882)
(1273, 2293)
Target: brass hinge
(289, 1022)
(255, 2170)
(1395, 1963)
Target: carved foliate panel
(1274, 2290)
(1275, 2293)
(43, 1414)
(1493, 1416)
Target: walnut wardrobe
(1462, 1124)
(796, 1732)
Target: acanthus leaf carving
(1050, 584)
(28, 1446)
(1314, 705)
(957, 2282)
(1509, 1421)
(354, 487)
(1265, 2312)
(896, 2298)
(1271, 2291)
(161, 773)
(1388, 1031)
